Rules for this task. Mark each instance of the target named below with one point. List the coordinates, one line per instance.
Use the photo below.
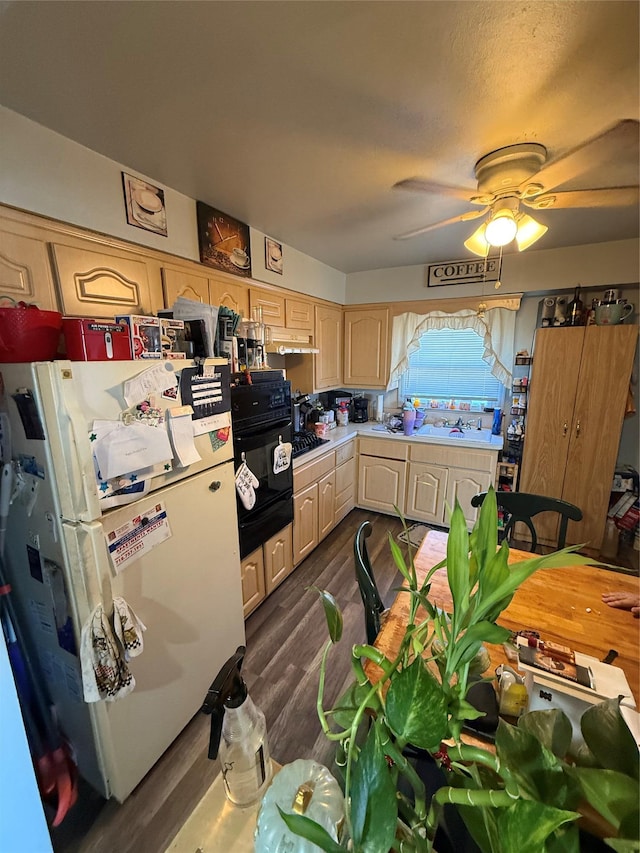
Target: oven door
(256, 529)
(257, 448)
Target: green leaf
(566, 839)
(552, 728)
(525, 826)
(612, 794)
(485, 533)
(310, 830)
(494, 573)
(467, 646)
(374, 808)
(539, 774)
(416, 708)
(458, 560)
(398, 559)
(348, 703)
(332, 613)
(609, 739)
(623, 845)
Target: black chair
(521, 506)
(373, 605)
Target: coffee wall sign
(223, 241)
(464, 272)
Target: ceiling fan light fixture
(501, 228)
(477, 244)
(529, 230)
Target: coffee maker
(360, 410)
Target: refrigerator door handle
(83, 454)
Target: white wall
(46, 173)
(597, 265)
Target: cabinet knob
(578, 428)
(565, 428)
(214, 485)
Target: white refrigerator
(185, 587)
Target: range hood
(286, 342)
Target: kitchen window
(448, 365)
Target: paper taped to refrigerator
(155, 380)
(137, 537)
(124, 449)
(182, 437)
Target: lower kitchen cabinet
(381, 478)
(463, 485)
(345, 480)
(253, 586)
(326, 505)
(426, 491)
(265, 568)
(305, 522)
(278, 558)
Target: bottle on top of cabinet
(575, 310)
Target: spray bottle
(239, 734)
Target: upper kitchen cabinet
(178, 282)
(578, 393)
(298, 314)
(366, 347)
(322, 371)
(272, 304)
(231, 295)
(25, 272)
(104, 283)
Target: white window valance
(496, 328)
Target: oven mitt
(246, 484)
(128, 628)
(282, 456)
(105, 674)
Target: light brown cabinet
(382, 474)
(272, 304)
(366, 348)
(578, 391)
(298, 314)
(323, 371)
(305, 522)
(345, 480)
(25, 272)
(426, 491)
(253, 586)
(179, 282)
(230, 295)
(326, 505)
(278, 558)
(102, 284)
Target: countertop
(372, 429)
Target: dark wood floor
(285, 639)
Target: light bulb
(528, 231)
(501, 228)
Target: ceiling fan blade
(608, 145)
(424, 185)
(606, 197)
(463, 217)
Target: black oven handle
(260, 429)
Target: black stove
(303, 442)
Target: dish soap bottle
(238, 734)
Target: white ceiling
(298, 117)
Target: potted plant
(527, 795)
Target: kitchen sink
(481, 435)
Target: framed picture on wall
(224, 241)
(144, 204)
(273, 255)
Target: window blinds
(449, 365)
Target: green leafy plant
(526, 796)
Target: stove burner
(303, 442)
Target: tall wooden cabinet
(366, 347)
(578, 392)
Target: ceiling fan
(521, 175)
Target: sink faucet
(459, 423)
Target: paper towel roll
(380, 407)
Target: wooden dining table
(563, 605)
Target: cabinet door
(326, 504)
(328, 363)
(231, 295)
(278, 558)
(25, 273)
(426, 492)
(602, 388)
(272, 305)
(298, 314)
(381, 484)
(253, 586)
(345, 488)
(463, 485)
(552, 395)
(366, 345)
(100, 284)
(177, 283)
(305, 522)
